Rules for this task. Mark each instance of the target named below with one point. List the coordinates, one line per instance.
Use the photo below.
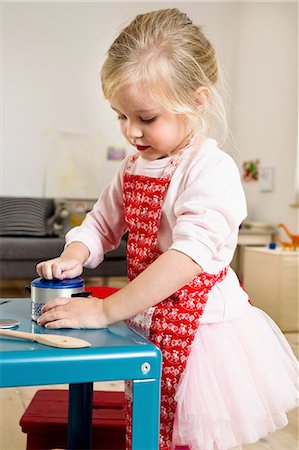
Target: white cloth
(203, 209)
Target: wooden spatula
(53, 340)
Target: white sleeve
(209, 212)
(104, 225)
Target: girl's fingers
(64, 268)
(38, 270)
(61, 323)
(57, 270)
(45, 269)
(73, 313)
(47, 272)
(57, 314)
(71, 273)
(59, 301)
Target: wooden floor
(14, 401)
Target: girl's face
(144, 124)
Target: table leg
(80, 416)
(146, 414)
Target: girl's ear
(201, 96)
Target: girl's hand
(60, 268)
(68, 265)
(73, 313)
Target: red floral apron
(171, 324)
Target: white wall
(52, 54)
(265, 117)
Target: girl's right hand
(60, 268)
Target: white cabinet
(249, 237)
(271, 280)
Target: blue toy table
(116, 353)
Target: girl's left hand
(73, 313)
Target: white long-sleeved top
(202, 211)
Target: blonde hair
(171, 58)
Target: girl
(228, 374)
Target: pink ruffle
(240, 380)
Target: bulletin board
(79, 166)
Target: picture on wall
(250, 170)
(267, 179)
(116, 153)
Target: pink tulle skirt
(240, 380)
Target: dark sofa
(28, 235)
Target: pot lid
(67, 283)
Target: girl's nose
(133, 130)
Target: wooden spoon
(53, 340)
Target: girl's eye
(121, 117)
(152, 119)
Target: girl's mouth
(141, 148)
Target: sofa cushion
(30, 248)
(41, 249)
(21, 216)
(19, 256)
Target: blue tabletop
(117, 352)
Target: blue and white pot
(44, 290)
